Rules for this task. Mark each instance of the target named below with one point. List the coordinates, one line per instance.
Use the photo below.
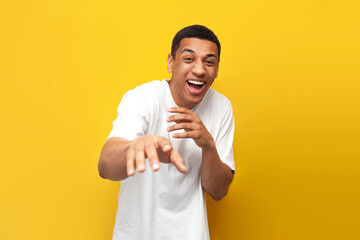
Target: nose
(198, 68)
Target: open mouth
(196, 86)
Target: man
(171, 141)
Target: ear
(170, 62)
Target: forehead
(198, 46)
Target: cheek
(214, 73)
(183, 67)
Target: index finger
(180, 110)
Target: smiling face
(194, 69)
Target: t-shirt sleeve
(131, 121)
(224, 142)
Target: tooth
(196, 82)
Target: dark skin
(120, 158)
(215, 175)
(196, 60)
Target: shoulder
(151, 88)
(145, 98)
(153, 85)
(147, 92)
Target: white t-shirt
(168, 204)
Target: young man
(171, 141)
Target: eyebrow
(187, 50)
(192, 51)
(211, 55)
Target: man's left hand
(192, 125)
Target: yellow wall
(290, 68)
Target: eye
(210, 62)
(188, 59)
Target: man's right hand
(155, 148)
(120, 158)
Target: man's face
(194, 69)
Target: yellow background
(290, 68)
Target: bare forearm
(120, 158)
(112, 162)
(215, 175)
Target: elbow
(107, 170)
(105, 167)
(217, 193)
(215, 190)
(102, 168)
(220, 194)
(101, 174)
(217, 198)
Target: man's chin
(192, 102)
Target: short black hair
(194, 31)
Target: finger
(180, 110)
(178, 161)
(191, 134)
(140, 160)
(180, 117)
(185, 126)
(152, 155)
(130, 162)
(165, 145)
